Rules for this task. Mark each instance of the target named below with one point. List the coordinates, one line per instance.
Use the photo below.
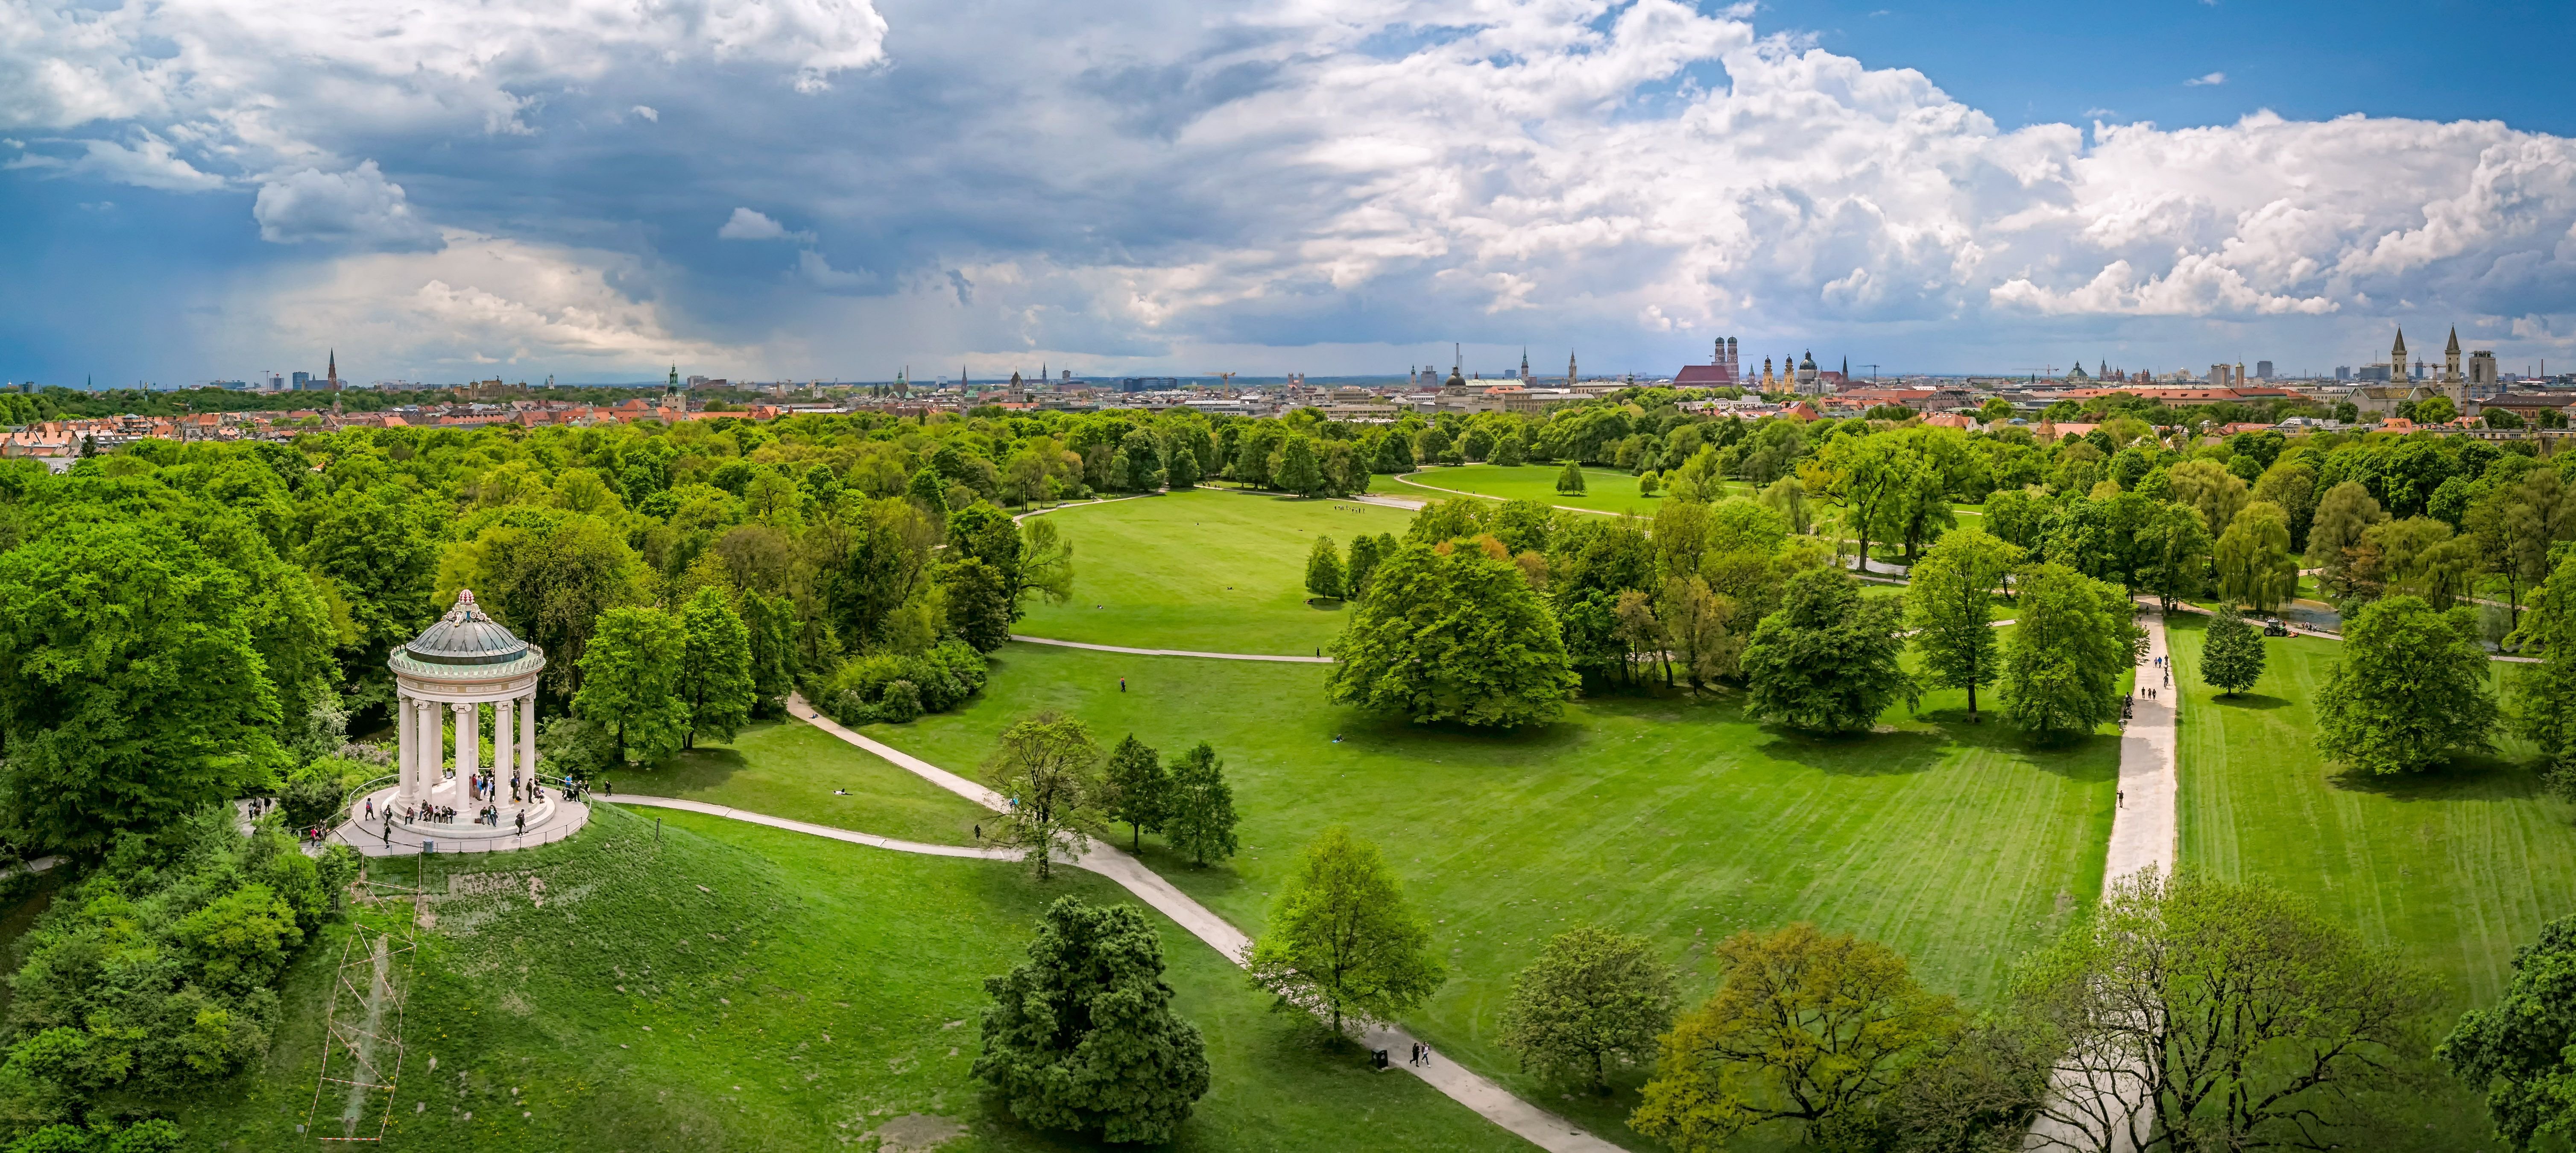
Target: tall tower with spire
(333, 373)
(2397, 360)
(1525, 364)
(674, 383)
(1570, 374)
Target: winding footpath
(1173, 652)
(1490, 1101)
(2146, 833)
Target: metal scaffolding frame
(362, 1047)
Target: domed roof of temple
(465, 636)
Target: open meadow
(1681, 820)
(1203, 570)
(1605, 489)
(2455, 868)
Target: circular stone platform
(549, 820)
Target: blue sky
(2024, 62)
(203, 189)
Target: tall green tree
(1951, 604)
(771, 624)
(2544, 695)
(1569, 481)
(130, 688)
(1135, 788)
(1808, 1032)
(1198, 819)
(2411, 690)
(979, 608)
(384, 562)
(1082, 1035)
(1296, 468)
(630, 681)
(1829, 661)
(2254, 563)
(1048, 767)
(715, 667)
(1342, 939)
(2172, 547)
(2344, 513)
(1324, 576)
(2072, 637)
(1363, 561)
(2522, 1049)
(2231, 655)
(929, 490)
(1452, 633)
(1592, 1003)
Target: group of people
(486, 786)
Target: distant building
(2343, 372)
(1721, 372)
(1148, 383)
(303, 382)
(2262, 370)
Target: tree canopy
(1452, 633)
(1828, 660)
(1082, 1035)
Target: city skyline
(815, 193)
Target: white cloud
(358, 206)
(476, 300)
(264, 84)
(746, 224)
(2210, 80)
(1131, 180)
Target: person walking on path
(1122, 684)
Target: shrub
(156, 975)
(864, 690)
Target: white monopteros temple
(444, 681)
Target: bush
(864, 691)
(900, 704)
(156, 975)
(311, 794)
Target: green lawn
(1202, 570)
(1682, 821)
(2455, 868)
(1606, 490)
(793, 769)
(734, 987)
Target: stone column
(528, 734)
(469, 748)
(407, 744)
(502, 731)
(432, 747)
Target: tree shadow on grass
(2262, 701)
(2468, 778)
(704, 767)
(1856, 754)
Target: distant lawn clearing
(779, 992)
(1956, 843)
(793, 769)
(1605, 490)
(2455, 868)
(1203, 570)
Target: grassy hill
(729, 987)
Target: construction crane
(1226, 377)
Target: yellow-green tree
(2254, 562)
(1808, 1031)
